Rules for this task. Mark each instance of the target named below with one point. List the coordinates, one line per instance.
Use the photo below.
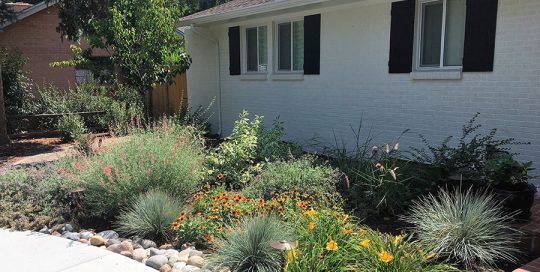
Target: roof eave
(249, 11)
(30, 11)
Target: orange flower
(175, 225)
(235, 214)
(311, 225)
(220, 176)
(219, 228)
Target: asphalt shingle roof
(227, 7)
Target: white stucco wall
(355, 83)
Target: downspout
(216, 41)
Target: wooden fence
(170, 99)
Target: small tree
(4, 138)
(140, 34)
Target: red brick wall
(39, 42)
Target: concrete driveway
(36, 252)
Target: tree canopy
(140, 34)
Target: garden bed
(253, 201)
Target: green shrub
(24, 202)
(119, 104)
(302, 175)
(170, 159)
(469, 228)
(71, 126)
(247, 246)
(150, 216)
(17, 85)
(234, 159)
(467, 158)
(241, 155)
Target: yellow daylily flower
(310, 213)
(331, 245)
(346, 231)
(385, 256)
(397, 239)
(365, 243)
(430, 256)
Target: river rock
(196, 261)
(178, 266)
(166, 246)
(139, 254)
(118, 248)
(68, 228)
(165, 268)
(71, 236)
(195, 253)
(86, 235)
(190, 268)
(128, 254)
(157, 261)
(97, 240)
(109, 234)
(45, 230)
(145, 243)
(111, 242)
(154, 251)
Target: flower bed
(254, 203)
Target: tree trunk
(4, 138)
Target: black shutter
(312, 44)
(402, 37)
(234, 51)
(480, 28)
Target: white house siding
(355, 83)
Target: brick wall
(354, 84)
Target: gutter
(249, 11)
(218, 89)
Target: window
(441, 33)
(257, 49)
(290, 46)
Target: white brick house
(490, 64)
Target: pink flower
(77, 166)
(107, 170)
(387, 147)
(396, 146)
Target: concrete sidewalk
(36, 252)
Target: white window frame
(276, 46)
(420, 34)
(245, 53)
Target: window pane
(263, 48)
(455, 32)
(298, 46)
(431, 34)
(284, 48)
(251, 40)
